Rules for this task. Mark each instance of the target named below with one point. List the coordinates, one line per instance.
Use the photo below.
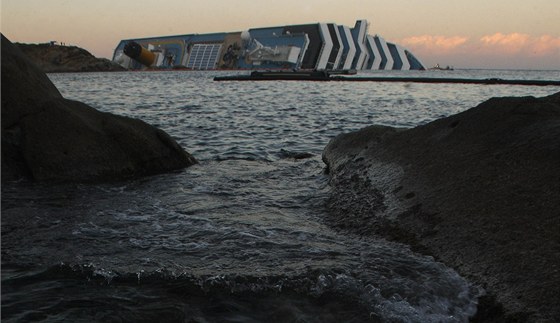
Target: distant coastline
(54, 58)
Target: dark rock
(479, 190)
(46, 137)
(57, 58)
(296, 155)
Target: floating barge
(340, 76)
(285, 76)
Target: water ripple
(238, 237)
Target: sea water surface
(239, 237)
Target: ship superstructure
(316, 46)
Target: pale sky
(521, 34)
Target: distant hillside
(57, 58)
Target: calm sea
(241, 236)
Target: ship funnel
(137, 52)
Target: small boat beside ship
(439, 68)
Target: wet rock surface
(480, 191)
(47, 137)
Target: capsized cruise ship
(317, 46)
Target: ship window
(204, 56)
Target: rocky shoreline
(479, 191)
(46, 137)
(54, 58)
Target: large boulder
(480, 191)
(46, 137)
